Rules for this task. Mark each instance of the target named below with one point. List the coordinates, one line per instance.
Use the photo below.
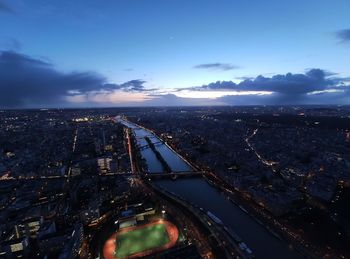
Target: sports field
(141, 240)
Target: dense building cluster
(66, 175)
(292, 161)
(66, 182)
(62, 171)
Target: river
(199, 192)
(176, 163)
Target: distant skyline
(87, 53)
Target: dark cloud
(316, 86)
(31, 82)
(5, 8)
(245, 77)
(216, 66)
(136, 85)
(322, 98)
(294, 84)
(343, 35)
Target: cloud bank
(316, 86)
(216, 66)
(27, 82)
(312, 80)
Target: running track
(109, 247)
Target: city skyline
(183, 53)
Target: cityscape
(174, 129)
(196, 182)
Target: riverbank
(198, 192)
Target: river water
(199, 192)
(176, 163)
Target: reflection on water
(176, 163)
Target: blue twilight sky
(173, 52)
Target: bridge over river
(197, 191)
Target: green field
(140, 240)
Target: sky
(89, 53)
